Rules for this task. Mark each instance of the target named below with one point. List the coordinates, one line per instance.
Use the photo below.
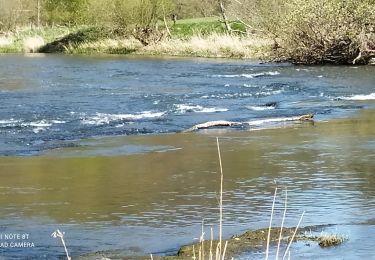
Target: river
(92, 145)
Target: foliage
(195, 8)
(15, 12)
(100, 12)
(140, 13)
(141, 18)
(66, 12)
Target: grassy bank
(203, 37)
(30, 39)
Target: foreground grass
(213, 45)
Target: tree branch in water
(218, 123)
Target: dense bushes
(314, 31)
(324, 31)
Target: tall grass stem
(221, 196)
(270, 225)
(282, 224)
(294, 234)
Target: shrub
(313, 31)
(323, 31)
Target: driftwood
(213, 124)
(307, 117)
(219, 123)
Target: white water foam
(37, 124)
(101, 118)
(269, 93)
(360, 97)
(9, 122)
(250, 86)
(229, 95)
(58, 122)
(183, 108)
(249, 76)
(260, 108)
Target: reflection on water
(155, 200)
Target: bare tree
(38, 13)
(224, 15)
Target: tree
(196, 8)
(67, 12)
(14, 13)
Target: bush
(313, 31)
(323, 31)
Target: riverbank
(188, 38)
(185, 41)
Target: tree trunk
(38, 13)
(224, 15)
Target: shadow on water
(154, 196)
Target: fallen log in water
(213, 124)
(219, 123)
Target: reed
(221, 196)
(294, 234)
(59, 234)
(270, 225)
(220, 251)
(282, 224)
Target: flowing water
(92, 145)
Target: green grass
(187, 28)
(184, 29)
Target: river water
(92, 145)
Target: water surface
(92, 145)
(51, 101)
